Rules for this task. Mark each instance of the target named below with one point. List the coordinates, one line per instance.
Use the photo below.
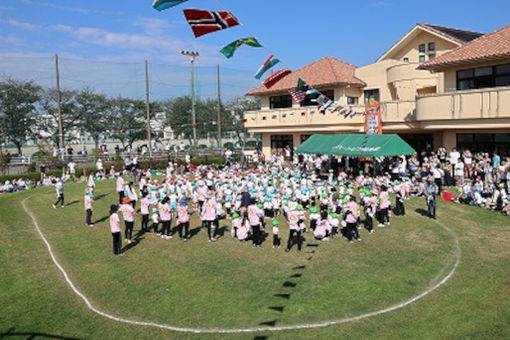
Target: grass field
(232, 285)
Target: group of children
(328, 208)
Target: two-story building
(433, 84)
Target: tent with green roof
(356, 145)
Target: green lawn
(231, 285)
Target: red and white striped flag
(298, 95)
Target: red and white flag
(204, 22)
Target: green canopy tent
(356, 145)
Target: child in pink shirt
(128, 213)
(183, 219)
(166, 217)
(88, 207)
(144, 210)
(120, 187)
(209, 216)
(115, 229)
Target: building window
(421, 48)
(352, 100)
(502, 75)
(310, 99)
(371, 94)
(280, 102)
(280, 142)
(432, 46)
(432, 56)
(499, 142)
(482, 77)
(422, 59)
(406, 60)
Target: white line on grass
(253, 329)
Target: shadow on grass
(102, 219)
(422, 212)
(97, 198)
(193, 232)
(271, 323)
(283, 296)
(10, 333)
(277, 308)
(261, 337)
(137, 239)
(72, 203)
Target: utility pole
(59, 108)
(192, 55)
(148, 104)
(218, 118)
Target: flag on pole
(229, 50)
(204, 22)
(276, 77)
(299, 93)
(324, 103)
(161, 5)
(268, 64)
(302, 85)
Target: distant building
(438, 86)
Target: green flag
(302, 85)
(229, 50)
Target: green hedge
(155, 164)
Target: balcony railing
(293, 117)
(408, 71)
(472, 104)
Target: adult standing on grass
(59, 189)
(72, 169)
(120, 187)
(115, 229)
(294, 229)
(90, 181)
(89, 196)
(431, 190)
(208, 214)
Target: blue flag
(161, 5)
(268, 64)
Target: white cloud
(153, 26)
(9, 39)
(74, 9)
(21, 24)
(162, 47)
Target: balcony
(491, 103)
(301, 119)
(398, 111)
(408, 71)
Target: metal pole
(59, 108)
(148, 104)
(193, 113)
(219, 109)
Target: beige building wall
(411, 49)
(450, 75)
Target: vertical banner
(373, 121)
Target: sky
(102, 44)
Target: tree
(49, 107)
(128, 120)
(18, 109)
(235, 111)
(93, 114)
(179, 117)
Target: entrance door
(280, 142)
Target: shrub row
(155, 164)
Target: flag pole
(218, 118)
(148, 107)
(59, 109)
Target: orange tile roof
(458, 35)
(327, 71)
(492, 46)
